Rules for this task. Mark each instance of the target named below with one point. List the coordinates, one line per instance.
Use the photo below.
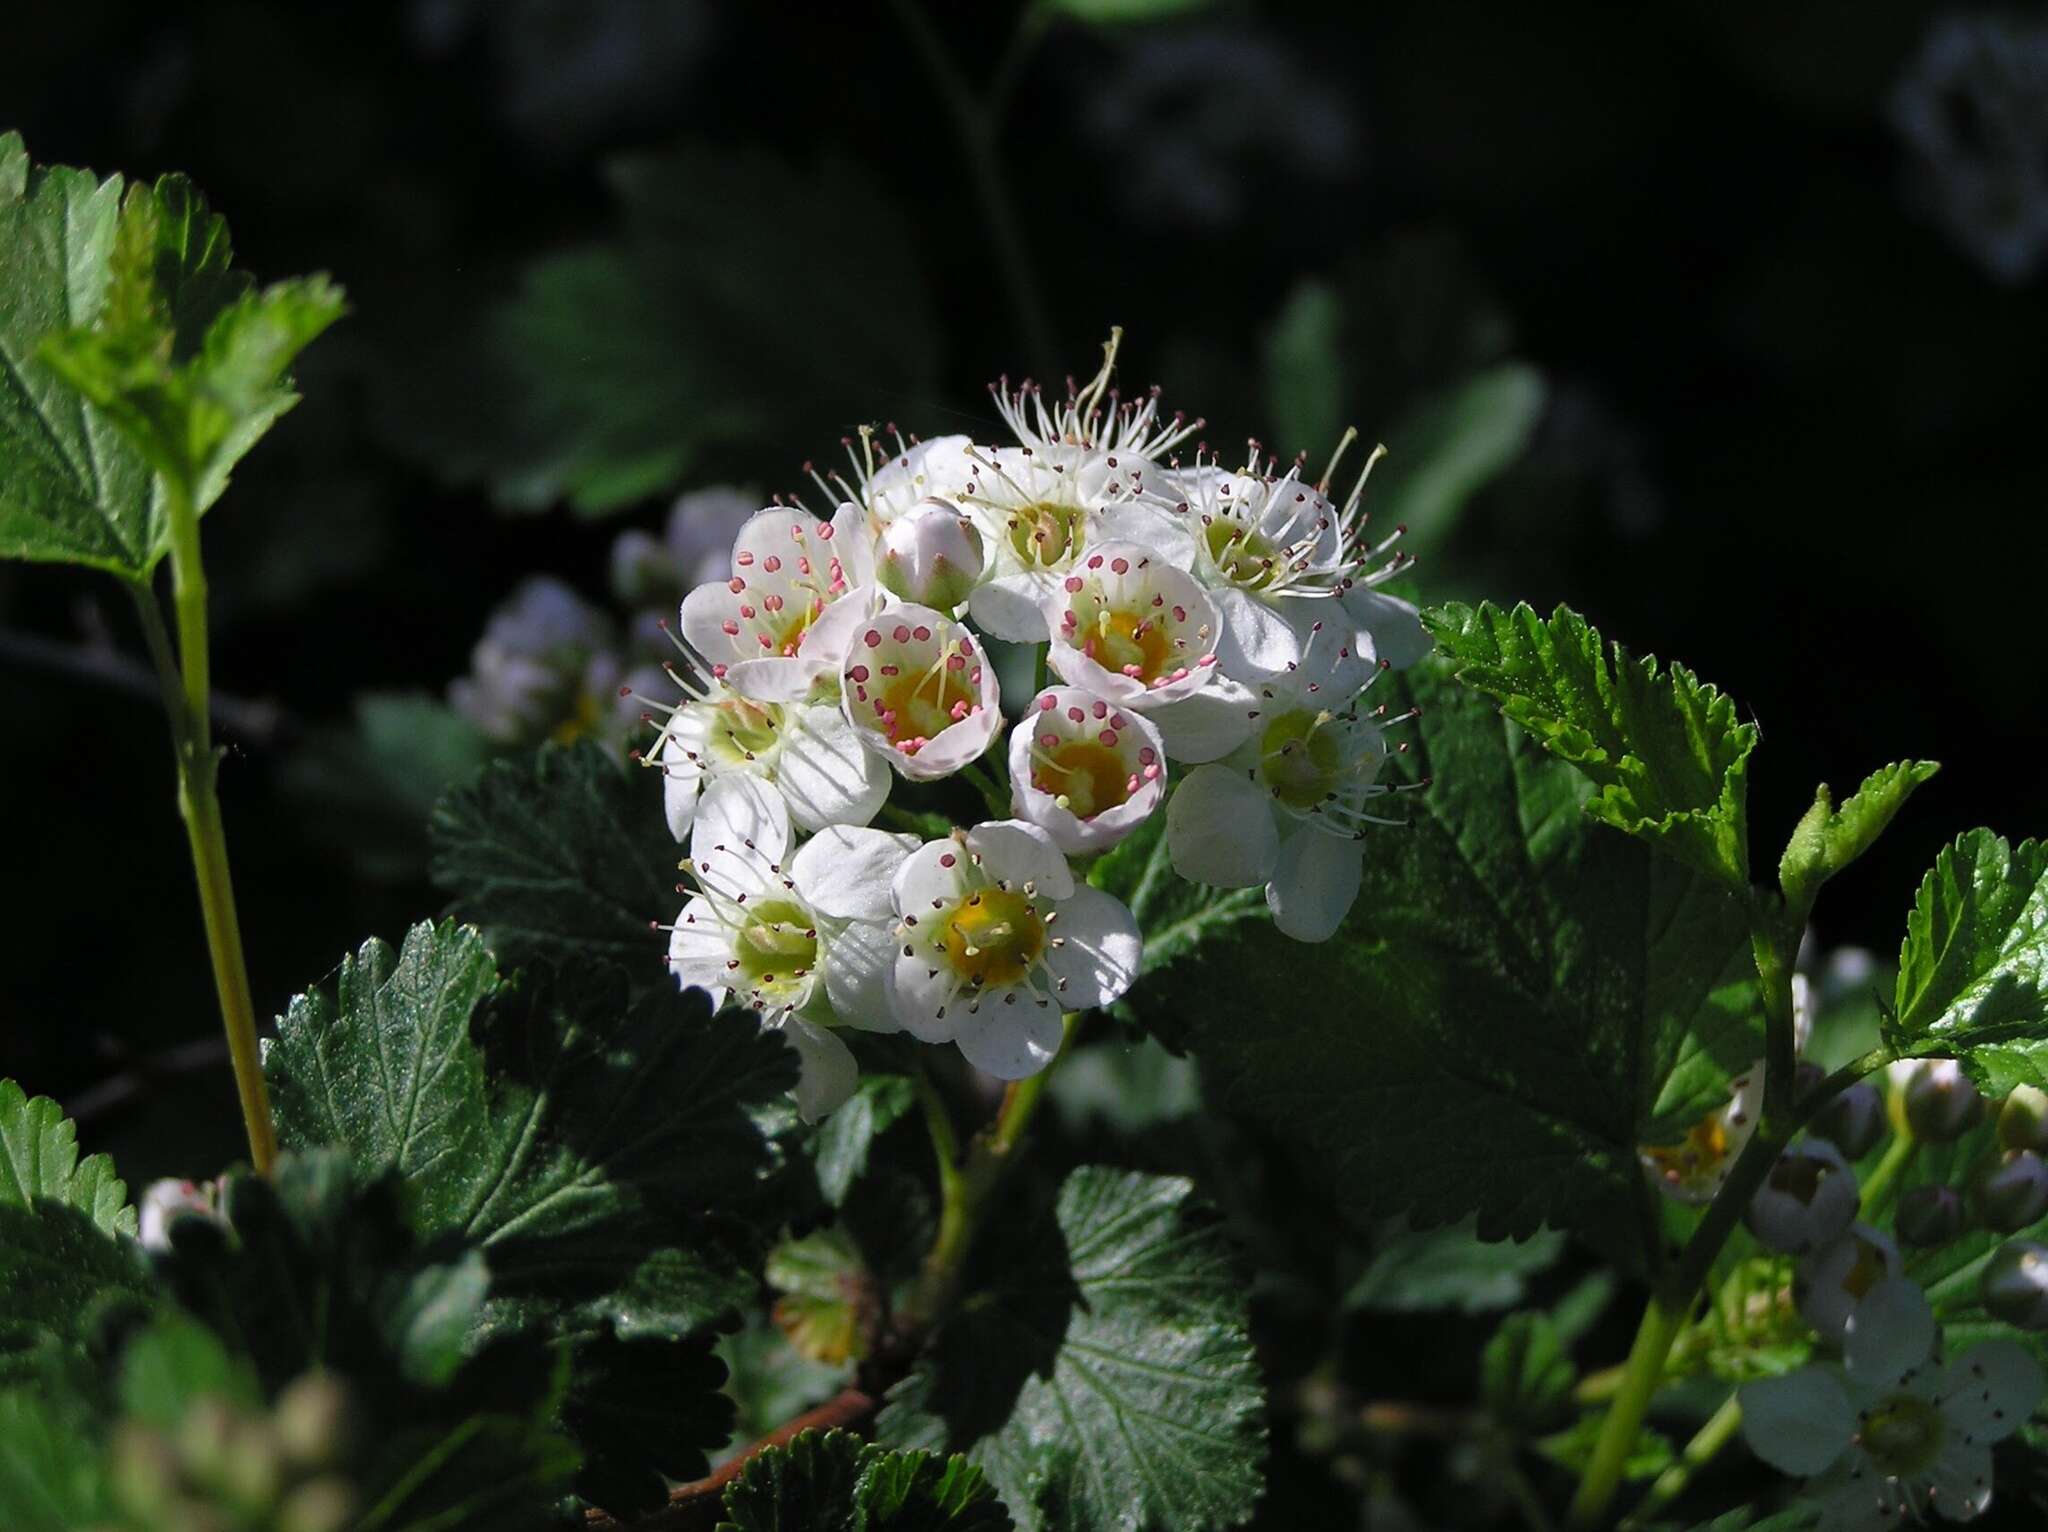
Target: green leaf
(125, 295)
(598, 1151)
(1451, 1267)
(51, 1479)
(1519, 1000)
(1665, 749)
(1175, 915)
(1974, 964)
(843, 1141)
(1572, 1449)
(176, 1361)
(70, 1289)
(1304, 369)
(644, 1409)
(39, 1158)
(1525, 1378)
(1102, 1375)
(1126, 12)
(559, 854)
(1828, 839)
(835, 1483)
(1451, 446)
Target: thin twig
(255, 721)
(144, 1074)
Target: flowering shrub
(994, 770)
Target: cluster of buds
(1211, 636)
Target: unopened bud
(2023, 1120)
(312, 1420)
(254, 1469)
(1941, 1103)
(2015, 1284)
(1853, 1122)
(1930, 1214)
(203, 1435)
(319, 1505)
(164, 1203)
(931, 555)
(2010, 1189)
(144, 1470)
(1808, 1199)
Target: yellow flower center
(777, 948)
(1129, 643)
(1243, 556)
(1084, 776)
(745, 729)
(919, 705)
(1903, 1436)
(1300, 759)
(992, 937)
(1044, 535)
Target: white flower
(1131, 436)
(1808, 1200)
(1128, 626)
(1829, 1283)
(806, 750)
(932, 556)
(547, 667)
(997, 940)
(1287, 807)
(1692, 1171)
(804, 940)
(1279, 557)
(165, 1202)
(788, 569)
(1892, 1434)
(917, 689)
(696, 547)
(1084, 770)
(943, 468)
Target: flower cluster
(1206, 640)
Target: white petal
(739, 809)
(775, 677)
(1009, 606)
(828, 1073)
(853, 545)
(855, 961)
(1010, 1039)
(1989, 1391)
(1013, 851)
(1219, 829)
(1857, 1504)
(1102, 949)
(1799, 1423)
(705, 612)
(827, 775)
(1889, 1333)
(1256, 640)
(953, 746)
(680, 787)
(1207, 725)
(934, 874)
(1314, 883)
(1960, 1481)
(1395, 625)
(847, 872)
(1168, 535)
(698, 949)
(922, 994)
(826, 640)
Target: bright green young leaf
(1525, 1378)
(39, 1158)
(1665, 749)
(1448, 448)
(1451, 1268)
(175, 1361)
(52, 1477)
(1572, 1449)
(1518, 1002)
(1304, 369)
(69, 1289)
(559, 854)
(842, 1142)
(598, 1151)
(1827, 839)
(1973, 972)
(836, 1483)
(117, 293)
(1103, 1376)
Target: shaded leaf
(1451, 1267)
(1525, 1379)
(51, 1478)
(1448, 448)
(835, 1483)
(39, 1158)
(843, 1141)
(1304, 369)
(70, 1289)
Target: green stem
(1775, 951)
(199, 806)
(1644, 1370)
(1705, 1446)
(1896, 1158)
(991, 791)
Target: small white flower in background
(547, 667)
(806, 940)
(1892, 1434)
(788, 568)
(997, 940)
(165, 1202)
(1084, 770)
(917, 688)
(1693, 1170)
(1128, 626)
(1830, 1282)
(696, 547)
(1808, 1200)
(806, 750)
(932, 556)
(1287, 807)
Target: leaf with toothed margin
(39, 1158)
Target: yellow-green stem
(1706, 1444)
(1644, 1370)
(1896, 1158)
(199, 806)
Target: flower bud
(2023, 1120)
(1930, 1214)
(1853, 1122)
(2014, 1286)
(312, 1421)
(165, 1202)
(1808, 1199)
(931, 556)
(2010, 1189)
(1833, 1280)
(319, 1505)
(1941, 1103)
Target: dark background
(1792, 432)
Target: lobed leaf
(1665, 749)
(39, 1159)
